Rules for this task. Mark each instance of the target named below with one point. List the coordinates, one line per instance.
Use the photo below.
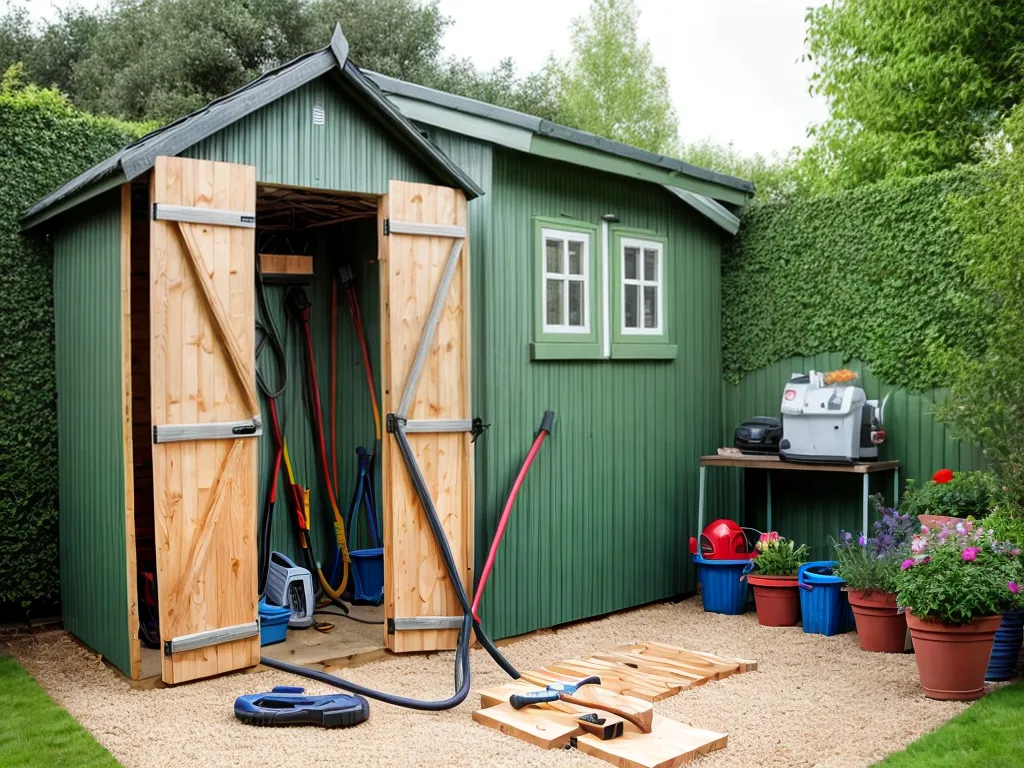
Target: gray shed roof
(542, 127)
(137, 158)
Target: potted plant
(955, 586)
(952, 497)
(776, 594)
(869, 567)
(1006, 524)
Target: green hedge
(877, 273)
(43, 142)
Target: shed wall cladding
(87, 302)
(350, 151)
(603, 520)
(812, 507)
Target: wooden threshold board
(633, 677)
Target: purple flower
(908, 563)
(1013, 587)
(862, 541)
(970, 554)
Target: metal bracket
(211, 637)
(424, 622)
(212, 216)
(223, 430)
(419, 228)
(438, 425)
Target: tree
(775, 178)
(610, 84)
(913, 86)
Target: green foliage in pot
(954, 494)
(957, 573)
(1006, 523)
(777, 556)
(872, 564)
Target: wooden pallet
(632, 676)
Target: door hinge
(211, 637)
(224, 430)
(387, 227)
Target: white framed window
(565, 292)
(642, 299)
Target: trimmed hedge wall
(43, 142)
(877, 273)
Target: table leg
(768, 482)
(700, 501)
(864, 528)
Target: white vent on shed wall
(318, 114)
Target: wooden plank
(658, 666)
(773, 462)
(670, 744)
(532, 725)
(202, 371)
(416, 583)
(128, 448)
(671, 676)
(697, 660)
(619, 682)
(285, 264)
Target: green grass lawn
(991, 732)
(35, 732)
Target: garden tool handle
(520, 700)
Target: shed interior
(327, 231)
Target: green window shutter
(641, 304)
(567, 290)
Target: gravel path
(815, 701)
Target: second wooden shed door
(418, 593)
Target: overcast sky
(734, 65)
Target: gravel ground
(815, 701)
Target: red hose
(543, 432)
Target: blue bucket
(273, 622)
(721, 588)
(368, 575)
(1006, 647)
(823, 604)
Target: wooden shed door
(205, 415)
(425, 233)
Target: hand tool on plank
(571, 693)
(603, 725)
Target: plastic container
(368, 575)
(721, 588)
(823, 604)
(1006, 647)
(273, 622)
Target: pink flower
(1013, 587)
(969, 554)
(1014, 552)
(773, 536)
(764, 537)
(908, 563)
(918, 545)
(924, 529)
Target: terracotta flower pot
(777, 599)
(937, 521)
(879, 626)
(951, 660)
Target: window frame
(641, 282)
(640, 343)
(566, 342)
(566, 277)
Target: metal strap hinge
(211, 637)
(438, 425)
(223, 430)
(424, 622)
(419, 228)
(213, 216)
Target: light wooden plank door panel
(202, 382)
(416, 584)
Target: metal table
(773, 463)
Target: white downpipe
(606, 315)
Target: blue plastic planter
(273, 622)
(823, 604)
(368, 575)
(721, 589)
(1006, 647)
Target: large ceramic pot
(951, 660)
(1006, 646)
(881, 626)
(777, 599)
(938, 521)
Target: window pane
(632, 298)
(575, 257)
(631, 256)
(554, 256)
(650, 264)
(554, 295)
(576, 303)
(650, 306)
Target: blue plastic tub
(368, 575)
(1006, 647)
(823, 604)
(721, 588)
(273, 622)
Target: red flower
(943, 476)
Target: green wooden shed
(584, 279)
